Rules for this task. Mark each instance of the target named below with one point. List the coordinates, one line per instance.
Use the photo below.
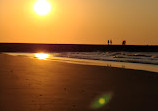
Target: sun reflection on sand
(42, 56)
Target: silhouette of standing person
(108, 42)
(124, 42)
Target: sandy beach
(38, 85)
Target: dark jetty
(32, 47)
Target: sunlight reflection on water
(42, 56)
(126, 65)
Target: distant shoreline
(36, 47)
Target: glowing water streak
(42, 56)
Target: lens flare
(101, 101)
(42, 56)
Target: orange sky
(80, 22)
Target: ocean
(147, 61)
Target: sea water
(147, 61)
(130, 57)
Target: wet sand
(37, 85)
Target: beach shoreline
(125, 65)
(38, 85)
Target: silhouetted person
(124, 42)
(108, 42)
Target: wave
(131, 57)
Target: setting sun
(42, 7)
(41, 56)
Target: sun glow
(42, 56)
(42, 7)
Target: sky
(80, 22)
